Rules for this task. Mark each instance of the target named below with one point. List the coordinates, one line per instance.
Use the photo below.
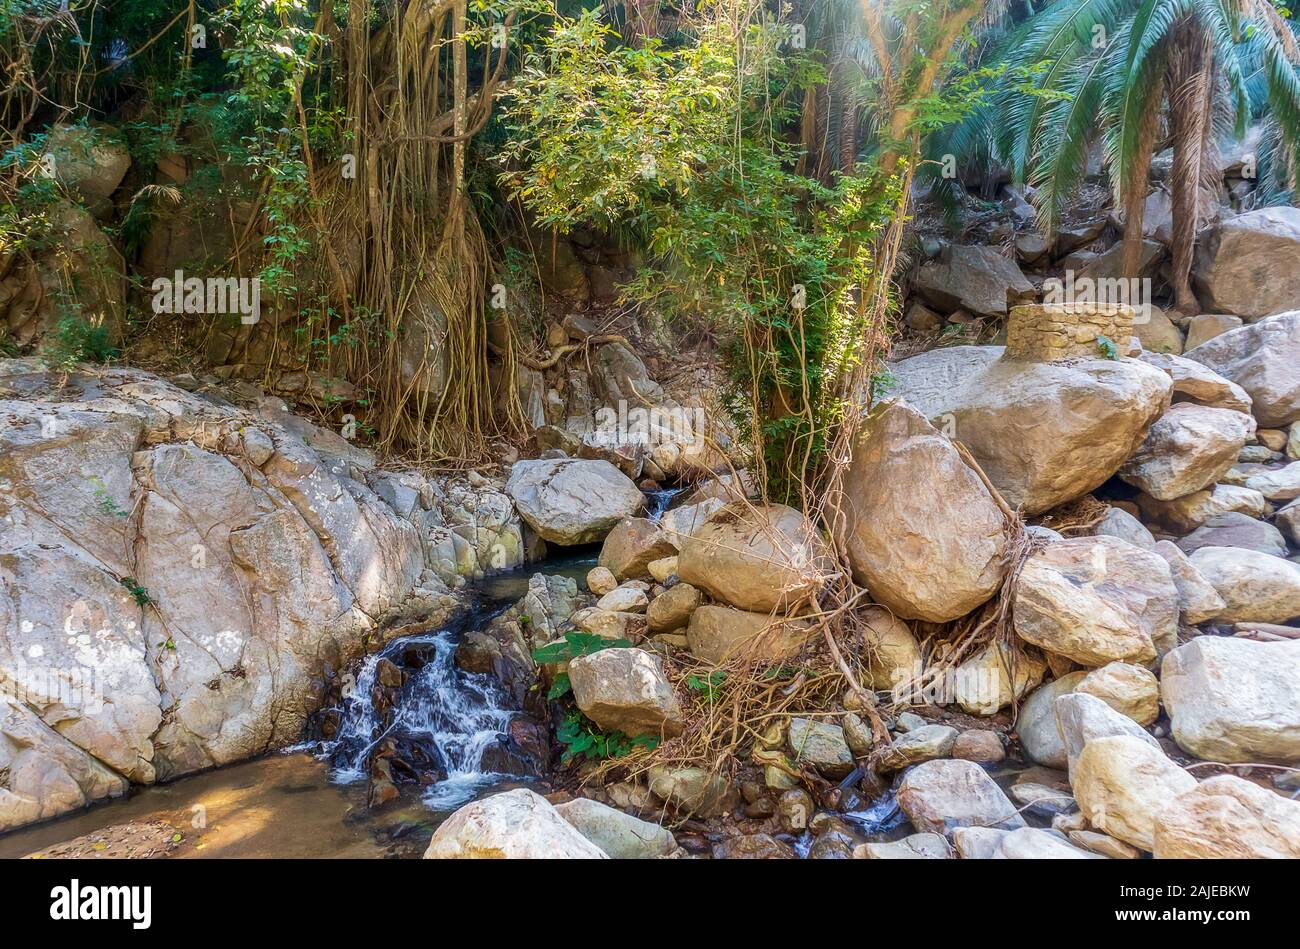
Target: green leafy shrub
(574, 645)
(582, 739)
(74, 341)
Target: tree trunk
(1135, 187)
(1191, 83)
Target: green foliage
(104, 500)
(138, 593)
(74, 341)
(709, 687)
(582, 739)
(574, 645)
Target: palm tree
(1132, 71)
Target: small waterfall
(657, 502)
(451, 715)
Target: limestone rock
(680, 523)
(1255, 587)
(516, 825)
(1205, 326)
(1264, 359)
(973, 278)
(1083, 718)
(1184, 515)
(1282, 484)
(1196, 383)
(913, 847)
(570, 500)
(1097, 600)
(631, 546)
(921, 530)
(672, 609)
(624, 599)
(1128, 689)
(984, 682)
(601, 580)
(719, 633)
(620, 835)
(758, 559)
(1245, 264)
(1120, 523)
(1234, 699)
(1238, 531)
(1036, 723)
(625, 690)
(942, 795)
(1030, 843)
(891, 653)
(1123, 783)
(1228, 818)
(977, 843)
(1188, 448)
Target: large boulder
(921, 530)
(1183, 515)
(1097, 600)
(942, 795)
(1255, 587)
(1128, 689)
(625, 690)
(971, 278)
(1234, 699)
(1264, 359)
(756, 558)
(1237, 531)
(1122, 783)
(1044, 433)
(718, 634)
(89, 161)
(1082, 718)
(512, 825)
(1246, 264)
(1228, 818)
(572, 500)
(1196, 383)
(1190, 447)
(620, 835)
(632, 546)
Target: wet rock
(753, 847)
(620, 835)
(1128, 689)
(921, 744)
(626, 690)
(1254, 586)
(914, 847)
(759, 559)
(1076, 422)
(821, 745)
(1237, 531)
(1234, 699)
(1189, 448)
(795, 808)
(1245, 264)
(1097, 600)
(921, 530)
(1083, 718)
(631, 546)
(1228, 818)
(719, 633)
(1264, 359)
(1123, 783)
(516, 824)
(977, 744)
(942, 795)
(572, 501)
(673, 608)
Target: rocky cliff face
(181, 571)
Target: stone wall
(1048, 332)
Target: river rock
(625, 690)
(977, 843)
(1198, 601)
(1128, 689)
(1264, 359)
(572, 500)
(631, 546)
(1036, 723)
(979, 744)
(984, 682)
(1075, 422)
(1228, 818)
(1097, 600)
(1184, 515)
(1082, 718)
(921, 744)
(821, 745)
(1282, 484)
(601, 580)
(920, 529)
(1103, 844)
(1237, 531)
(1188, 448)
(673, 608)
(693, 791)
(1234, 699)
(1255, 587)
(1194, 382)
(1122, 783)
(1120, 523)
(610, 624)
(1040, 800)
(1030, 843)
(663, 568)
(913, 847)
(758, 559)
(753, 847)
(680, 523)
(514, 825)
(620, 835)
(717, 634)
(1245, 264)
(942, 795)
(971, 278)
(624, 599)
(1288, 521)
(890, 651)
